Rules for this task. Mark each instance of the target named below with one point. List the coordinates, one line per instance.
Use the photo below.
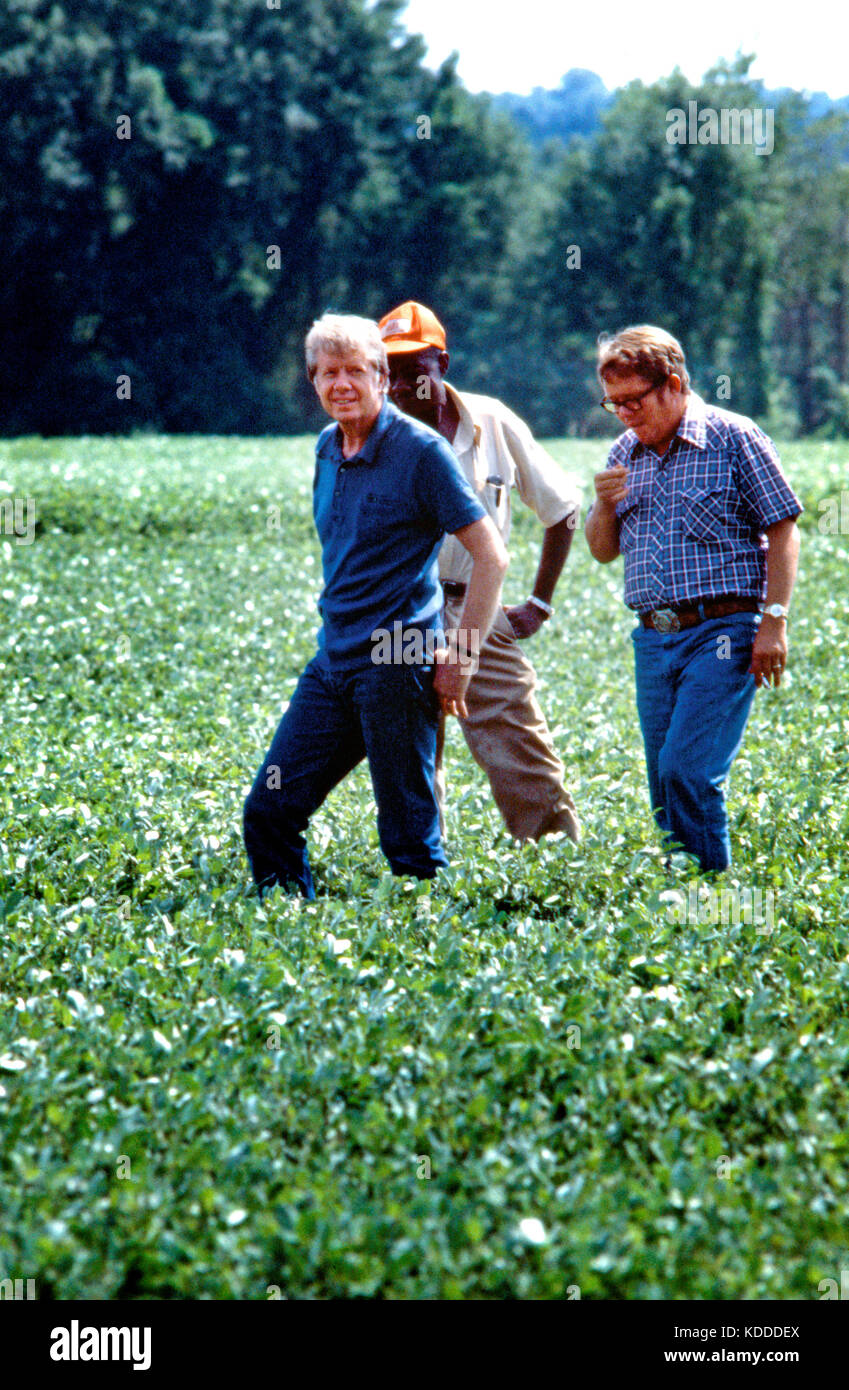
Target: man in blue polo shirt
(694, 499)
(386, 491)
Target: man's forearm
(782, 562)
(769, 651)
(490, 560)
(556, 543)
(602, 532)
(456, 667)
(481, 605)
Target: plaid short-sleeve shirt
(692, 525)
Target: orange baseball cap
(411, 327)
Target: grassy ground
(546, 1078)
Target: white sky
(515, 45)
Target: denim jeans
(386, 713)
(694, 694)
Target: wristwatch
(540, 603)
(776, 610)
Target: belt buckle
(665, 620)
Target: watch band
(541, 603)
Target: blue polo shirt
(381, 517)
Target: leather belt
(691, 614)
(452, 588)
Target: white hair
(342, 333)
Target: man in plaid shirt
(694, 499)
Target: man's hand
(451, 680)
(525, 619)
(611, 485)
(769, 652)
(602, 525)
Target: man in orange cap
(504, 726)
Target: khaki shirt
(492, 442)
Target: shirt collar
(692, 427)
(468, 430)
(331, 446)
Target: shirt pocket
(629, 513)
(706, 513)
(381, 512)
(494, 496)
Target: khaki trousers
(508, 737)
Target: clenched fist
(611, 485)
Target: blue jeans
(386, 713)
(694, 694)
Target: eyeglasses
(629, 402)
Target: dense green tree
(638, 228)
(811, 296)
(186, 184)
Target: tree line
(185, 185)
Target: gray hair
(342, 333)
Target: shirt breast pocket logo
(706, 514)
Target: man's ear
(674, 381)
(442, 361)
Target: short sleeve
(443, 492)
(761, 480)
(540, 482)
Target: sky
(515, 45)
